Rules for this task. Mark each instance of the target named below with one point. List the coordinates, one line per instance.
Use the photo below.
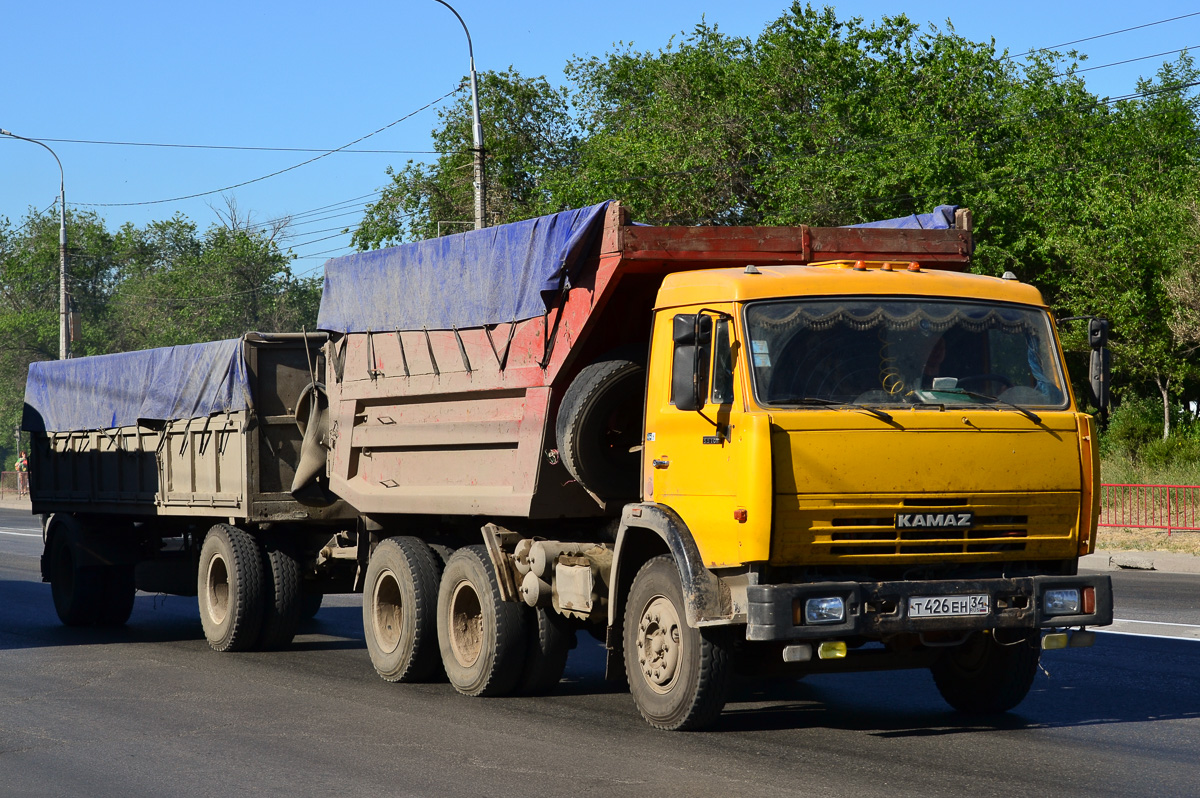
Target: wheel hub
(388, 617)
(217, 580)
(466, 624)
(659, 642)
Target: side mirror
(1100, 366)
(692, 335)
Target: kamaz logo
(942, 520)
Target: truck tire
(551, 638)
(229, 589)
(679, 676)
(310, 605)
(482, 638)
(400, 609)
(87, 591)
(599, 426)
(77, 589)
(282, 599)
(118, 590)
(985, 677)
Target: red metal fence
(1170, 507)
(10, 485)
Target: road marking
(20, 534)
(1158, 623)
(1138, 634)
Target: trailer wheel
(399, 610)
(599, 426)
(482, 638)
(310, 605)
(679, 676)
(551, 638)
(282, 602)
(118, 590)
(77, 589)
(984, 676)
(229, 589)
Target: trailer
(715, 449)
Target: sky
(317, 76)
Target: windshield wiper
(1032, 416)
(814, 400)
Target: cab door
(701, 462)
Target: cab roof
(837, 278)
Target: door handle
(663, 463)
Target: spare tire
(599, 425)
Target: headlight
(1061, 602)
(824, 610)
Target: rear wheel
(399, 610)
(482, 638)
(87, 591)
(988, 676)
(551, 638)
(282, 599)
(77, 590)
(679, 676)
(229, 589)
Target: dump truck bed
(234, 456)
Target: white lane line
(20, 534)
(1158, 623)
(1137, 634)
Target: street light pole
(477, 129)
(64, 340)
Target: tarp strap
(462, 350)
(403, 354)
(432, 359)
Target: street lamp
(477, 130)
(64, 341)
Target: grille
(839, 530)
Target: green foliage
(160, 285)
(528, 134)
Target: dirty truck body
(720, 450)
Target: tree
(528, 133)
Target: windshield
(884, 352)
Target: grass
(1147, 540)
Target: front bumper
(875, 609)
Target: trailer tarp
(107, 391)
(491, 276)
(942, 218)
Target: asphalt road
(150, 710)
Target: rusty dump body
(462, 421)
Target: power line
(1104, 35)
(236, 147)
(273, 174)
(1129, 60)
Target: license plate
(945, 606)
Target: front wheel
(679, 676)
(985, 676)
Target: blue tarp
(107, 391)
(942, 218)
(490, 276)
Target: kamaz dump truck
(720, 450)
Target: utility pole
(64, 318)
(477, 128)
